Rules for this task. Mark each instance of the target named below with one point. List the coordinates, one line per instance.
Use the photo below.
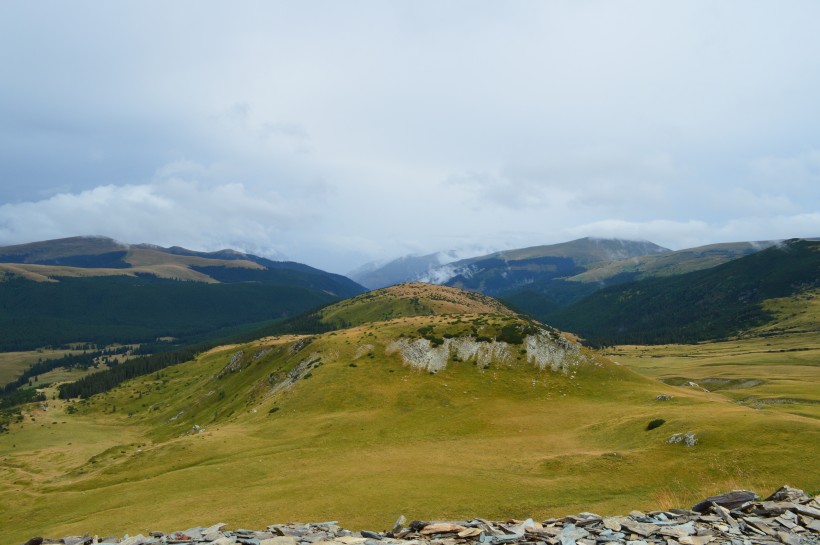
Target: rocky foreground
(788, 516)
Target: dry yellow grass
(365, 438)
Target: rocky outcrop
(236, 363)
(543, 350)
(300, 371)
(788, 517)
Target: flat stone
(730, 500)
(786, 522)
(442, 528)
(696, 540)
(678, 531)
(787, 493)
(640, 528)
(807, 510)
(225, 540)
(351, 540)
(136, 540)
(788, 539)
(723, 513)
(76, 540)
(613, 523)
(279, 540)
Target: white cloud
(342, 133)
(171, 212)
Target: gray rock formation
(543, 350)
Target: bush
(658, 422)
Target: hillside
(439, 396)
(506, 271)
(544, 296)
(707, 304)
(93, 289)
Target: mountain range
(95, 289)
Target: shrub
(658, 422)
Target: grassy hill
(707, 304)
(97, 290)
(436, 404)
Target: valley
(343, 425)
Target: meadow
(12, 364)
(362, 438)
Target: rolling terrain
(541, 280)
(430, 402)
(713, 303)
(94, 289)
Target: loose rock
(787, 517)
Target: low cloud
(168, 212)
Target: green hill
(449, 407)
(707, 304)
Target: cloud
(799, 171)
(585, 177)
(679, 235)
(170, 212)
(347, 134)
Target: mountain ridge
(95, 289)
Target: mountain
(547, 295)
(500, 271)
(423, 400)
(98, 290)
(403, 269)
(706, 304)
(506, 271)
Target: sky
(338, 133)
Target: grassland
(360, 437)
(774, 368)
(12, 364)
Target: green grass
(774, 368)
(363, 444)
(12, 364)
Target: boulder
(730, 500)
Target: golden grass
(411, 299)
(365, 438)
(364, 444)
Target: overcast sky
(335, 133)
